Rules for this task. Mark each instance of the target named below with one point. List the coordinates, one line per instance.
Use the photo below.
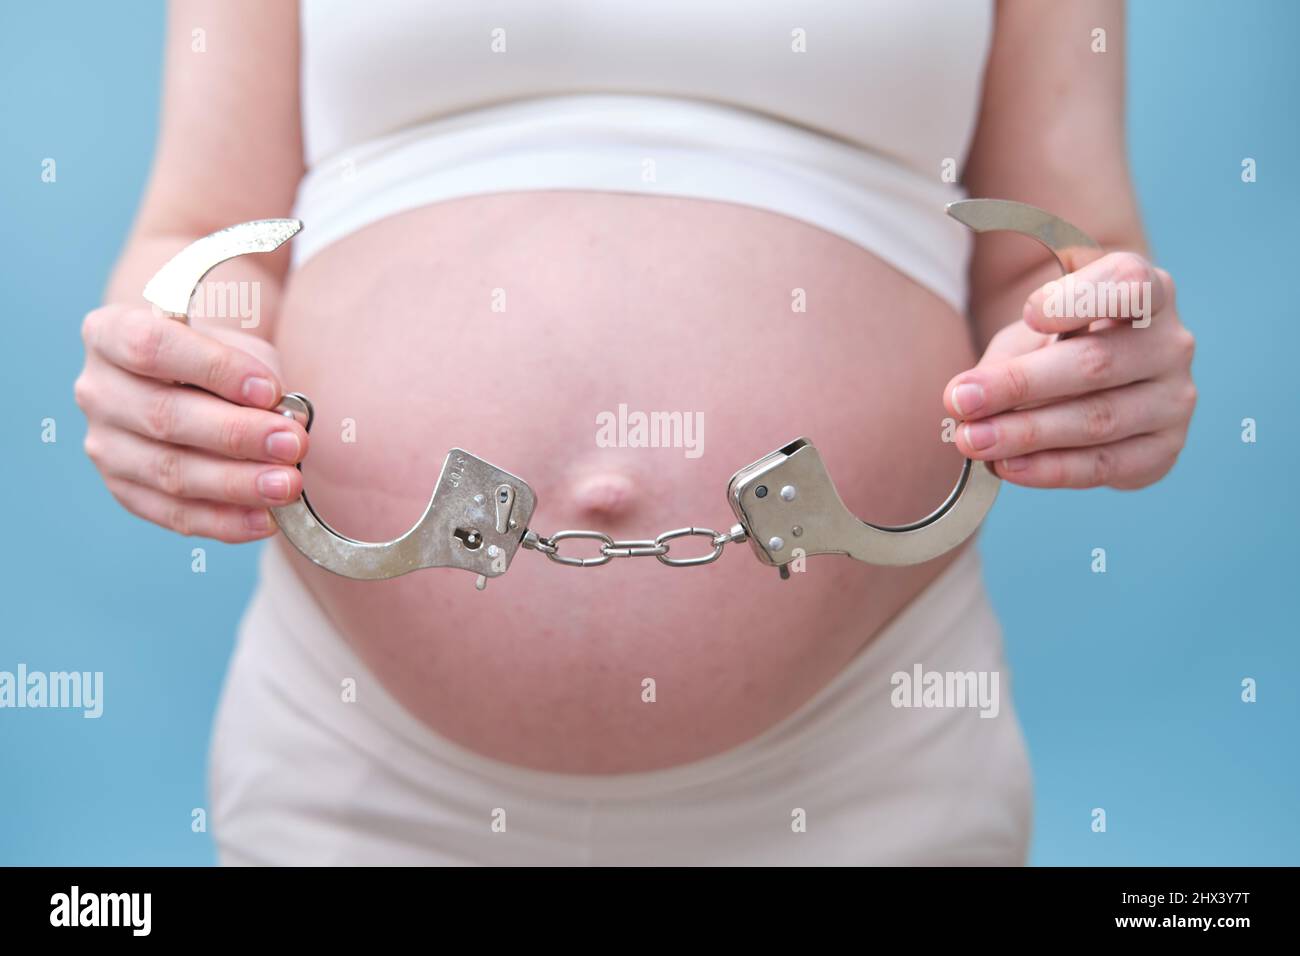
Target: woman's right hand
(204, 461)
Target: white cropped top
(852, 115)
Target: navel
(607, 494)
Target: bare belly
(654, 303)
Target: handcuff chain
(611, 548)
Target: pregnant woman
(520, 216)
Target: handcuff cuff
(785, 503)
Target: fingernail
(968, 398)
(257, 520)
(259, 392)
(283, 445)
(1033, 305)
(273, 485)
(981, 435)
(1015, 464)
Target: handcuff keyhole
(470, 538)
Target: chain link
(611, 548)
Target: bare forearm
(229, 149)
(1051, 133)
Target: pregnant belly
(510, 325)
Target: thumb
(1012, 340)
(254, 345)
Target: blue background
(1128, 683)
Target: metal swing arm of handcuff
(785, 503)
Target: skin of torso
(661, 304)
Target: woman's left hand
(1107, 407)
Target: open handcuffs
(785, 503)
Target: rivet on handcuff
(785, 503)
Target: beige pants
(852, 777)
